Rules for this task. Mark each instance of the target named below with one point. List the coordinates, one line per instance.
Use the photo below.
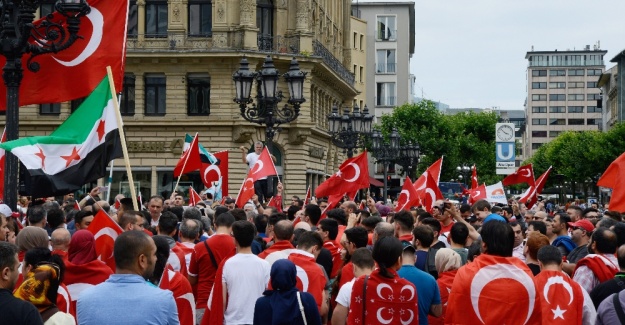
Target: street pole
(385, 190)
(12, 74)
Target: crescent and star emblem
(528, 173)
(209, 168)
(97, 20)
(356, 171)
(258, 166)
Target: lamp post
(408, 157)
(385, 152)
(464, 171)
(266, 110)
(19, 36)
(349, 130)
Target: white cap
(4, 209)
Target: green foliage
(465, 138)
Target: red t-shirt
(201, 266)
(347, 274)
(314, 277)
(278, 246)
(335, 251)
(446, 229)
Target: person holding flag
(260, 186)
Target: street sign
(505, 148)
(505, 151)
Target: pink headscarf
(82, 248)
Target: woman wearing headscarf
(383, 297)
(29, 237)
(83, 268)
(40, 288)
(285, 305)
(447, 263)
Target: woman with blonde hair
(447, 263)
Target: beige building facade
(179, 64)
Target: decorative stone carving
(242, 133)
(221, 12)
(176, 13)
(220, 40)
(302, 15)
(247, 12)
(298, 135)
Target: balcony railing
(278, 44)
(333, 62)
(385, 101)
(387, 35)
(386, 68)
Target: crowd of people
(307, 263)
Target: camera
(444, 206)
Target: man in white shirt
(260, 186)
(363, 265)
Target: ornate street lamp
(409, 157)
(385, 152)
(19, 36)
(349, 130)
(464, 171)
(265, 110)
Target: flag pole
(184, 164)
(120, 124)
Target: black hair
(230, 201)
(362, 258)
(192, 213)
(331, 226)
(386, 252)
(564, 219)
(36, 255)
(128, 246)
(162, 255)
(260, 221)
(238, 214)
(243, 232)
(309, 239)
(619, 230)
(35, 214)
(80, 215)
(371, 222)
(124, 203)
(128, 217)
(219, 210)
(405, 220)
(423, 215)
(283, 230)
(56, 217)
(177, 211)
(605, 239)
(620, 255)
(424, 234)
(338, 215)
(549, 255)
(167, 223)
(432, 223)
(224, 220)
(538, 226)
(291, 211)
(475, 250)
(275, 217)
(464, 208)
(313, 212)
(498, 238)
(459, 233)
(357, 235)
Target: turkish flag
(493, 290)
(474, 177)
(310, 277)
(76, 205)
(408, 196)
(263, 167)
(525, 174)
(212, 173)
(353, 175)
(194, 198)
(64, 300)
(445, 281)
(530, 196)
(614, 178)
(434, 170)
(215, 299)
(561, 298)
(77, 70)
(429, 193)
(276, 202)
(77, 278)
(190, 159)
(245, 193)
(117, 204)
(105, 230)
(308, 196)
(333, 200)
(478, 193)
(183, 293)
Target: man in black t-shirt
(13, 310)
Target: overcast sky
(472, 53)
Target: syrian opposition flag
(77, 152)
(194, 198)
(215, 175)
(408, 196)
(190, 159)
(262, 168)
(77, 70)
(205, 156)
(105, 230)
(353, 175)
(434, 171)
(183, 294)
(525, 174)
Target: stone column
(247, 24)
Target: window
(362, 41)
(156, 18)
(576, 109)
(593, 109)
(386, 28)
(593, 121)
(591, 84)
(558, 72)
(132, 19)
(557, 85)
(539, 109)
(539, 121)
(198, 95)
(576, 96)
(593, 96)
(539, 97)
(576, 72)
(576, 84)
(539, 85)
(362, 72)
(155, 94)
(593, 72)
(50, 109)
(576, 121)
(264, 18)
(385, 94)
(127, 104)
(557, 97)
(536, 145)
(76, 103)
(557, 109)
(386, 61)
(557, 121)
(539, 73)
(200, 18)
(355, 40)
(553, 134)
(539, 134)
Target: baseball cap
(585, 224)
(406, 245)
(4, 209)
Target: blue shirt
(126, 299)
(427, 290)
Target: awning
(375, 182)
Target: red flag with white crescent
(474, 183)
(333, 200)
(494, 290)
(211, 173)
(105, 230)
(77, 278)
(561, 298)
(194, 198)
(476, 194)
(408, 197)
(430, 193)
(190, 159)
(525, 174)
(183, 294)
(434, 171)
(308, 196)
(353, 175)
(276, 202)
(530, 196)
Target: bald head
(283, 230)
(383, 229)
(104, 205)
(60, 239)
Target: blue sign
(505, 152)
